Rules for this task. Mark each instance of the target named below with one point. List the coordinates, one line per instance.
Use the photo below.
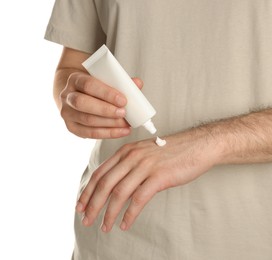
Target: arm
(139, 170)
(89, 108)
(245, 138)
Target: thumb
(138, 82)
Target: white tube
(104, 66)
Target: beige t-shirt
(200, 60)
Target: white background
(40, 161)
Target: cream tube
(104, 66)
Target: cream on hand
(160, 142)
(104, 66)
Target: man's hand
(89, 108)
(141, 169)
(92, 109)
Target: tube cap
(149, 126)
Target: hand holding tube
(92, 109)
(105, 67)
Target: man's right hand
(92, 109)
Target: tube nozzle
(149, 126)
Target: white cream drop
(160, 142)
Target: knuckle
(63, 113)
(74, 76)
(75, 100)
(84, 197)
(87, 85)
(95, 134)
(114, 133)
(88, 120)
(95, 176)
(89, 210)
(108, 110)
(137, 200)
(125, 148)
(72, 79)
(63, 94)
(146, 162)
(134, 153)
(112, 96)
(118, 192)
(128, 150)
(108, 95)
(128, 217)
(102, 185)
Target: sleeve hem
(64, 38)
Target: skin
(137, 171)
(89, 108)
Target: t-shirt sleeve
(75, 24)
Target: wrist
(217, 147)
(206, 143)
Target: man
(207, 193)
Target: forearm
(243, 139)
(136, 172)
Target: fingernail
(85, 221)
(120, 112)
(104, 228)
(123, 225)
(79, 206)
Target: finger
(138, 82)
(86, 119)
(97, 132)
(96, 176)
(120, 195)
(96, 203)
(98, 121)
(91, 105)
(94, 87)
(103, 189)
(139, 199)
